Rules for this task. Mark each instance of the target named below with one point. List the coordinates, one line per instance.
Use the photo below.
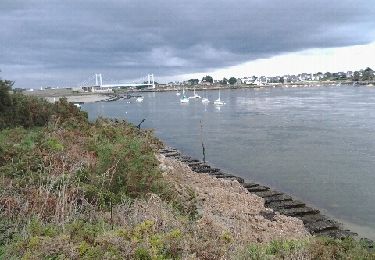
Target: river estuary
(316, 144)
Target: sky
(63, 43)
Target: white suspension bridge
(98, 85)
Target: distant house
(248, 80)
(305, 76)
(317, 76)
(341, 75)
(205, 82)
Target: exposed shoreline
(314, 222)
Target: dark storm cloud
(51, 42)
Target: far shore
(80, 98)
(53, 95)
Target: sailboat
(205, 100)
(218, 101)
(195, 95)
(184, 99)
(139, 99)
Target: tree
(356, 76)
(5, 98)
(193, 81)
(368, 74)
(224, 81)
(232, 80)
(327, 75)
(208, 78)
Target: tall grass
(68, 169)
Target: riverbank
(100, 194)
(314, 222)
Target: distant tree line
(209, 79)
(362, 75)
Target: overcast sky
(56, 42)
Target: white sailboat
(195, 95)
(205, 100)
(218, 101)
(184, 99)
(139, 99)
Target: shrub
(28, 111)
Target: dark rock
(216, 174)
(198, 163)
(323, 225)
(338, 234)
(274, 198)
(285, 204)
(172, 154)
(298, 211)
(270, 215)
(268, 193)
(205, 170)
(312, 218)
(258, 188)
(249, 185)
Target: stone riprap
(315, 222)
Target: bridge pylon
(151, 80)
(98, 80)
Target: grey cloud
(49, 42)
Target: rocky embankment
(281, 204)
(227, 205)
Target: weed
(142, 254)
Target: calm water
(317, 144)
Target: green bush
(126, 165)
(28, 111)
